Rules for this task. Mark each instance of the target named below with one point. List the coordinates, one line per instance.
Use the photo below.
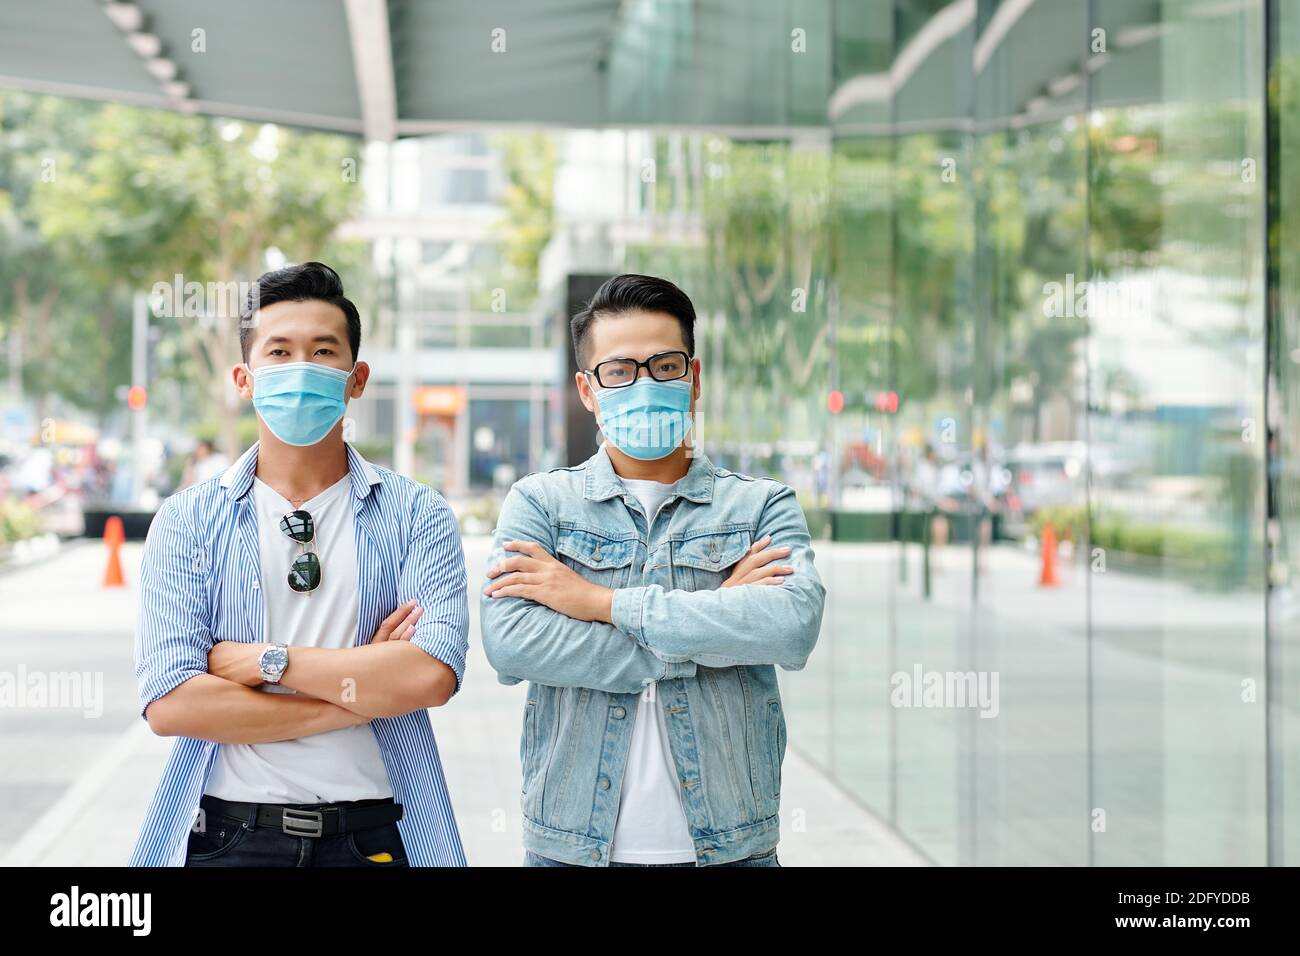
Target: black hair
(301, 283)
(634, 293)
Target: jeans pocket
(378, 846)
(218, 837)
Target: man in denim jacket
(647, 597)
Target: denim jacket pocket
(598, 557)
(776, 732)
(703, 561)
(528, 749)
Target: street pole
(16, 364)
(404, 414)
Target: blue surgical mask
(300, 402)
(647, 419)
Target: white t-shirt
(651, 826)
(338, 765)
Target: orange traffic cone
(114, 535)
(1047, 577)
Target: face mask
(647, 419)
(300, 401)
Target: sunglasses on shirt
(304, 573)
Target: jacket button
(604, 783)
(595, 854)
(619, 713)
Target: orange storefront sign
(439, 399)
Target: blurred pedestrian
(205, 462)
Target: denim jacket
(714, 649)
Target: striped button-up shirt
(200, 583)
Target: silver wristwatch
(273, 662)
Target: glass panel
(1284, 609)
(860, 574)
(1176, 316)
(1030, 635)
(933, 332)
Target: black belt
(309, 820)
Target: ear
(360, 375)
(696, 366)
(243, 381)
(585, 392)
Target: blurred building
(464, 379)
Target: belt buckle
(307, 823)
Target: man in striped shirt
(299, 614)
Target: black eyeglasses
(621, 372)
(304, 573)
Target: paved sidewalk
(78, 786)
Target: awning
(409, 67)
(747, 68)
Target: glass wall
(1283, 414)
(1003, 323)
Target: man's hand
(756, 566)
(535, 575)
(237, 661)
(400, 625)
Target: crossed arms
(543, 622)
(192, 685)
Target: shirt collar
(603, 482)
(238, 478)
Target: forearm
(749, 624)
(752, 624)
(374, 680)
(212, 708)
(524, 640)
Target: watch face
(275, 659)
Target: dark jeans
(758, 859)
(231, 841)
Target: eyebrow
(327, 337)
(617, 358)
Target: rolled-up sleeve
(433, 574)
(173, 628)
